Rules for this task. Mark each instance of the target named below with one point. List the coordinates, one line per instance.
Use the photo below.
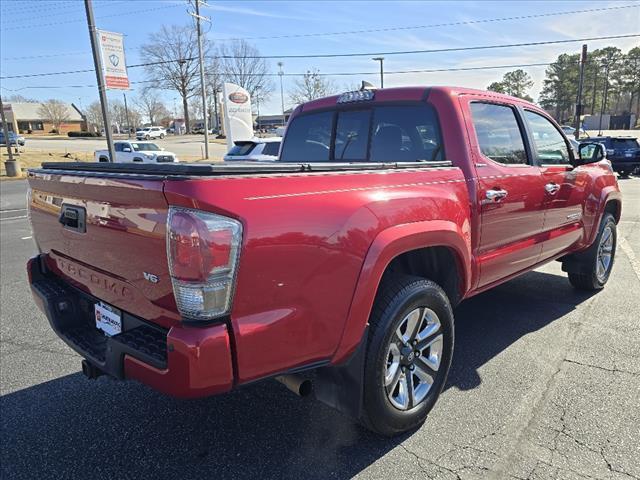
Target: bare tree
(239, 64)
(19, 99)
(312, 85)
(151, 106)
(118, 114)
(172, 53)
(93, 114)
(55, 111)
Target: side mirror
(126, 149)
(590, 153)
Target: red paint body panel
(315, 244)
(199, 363)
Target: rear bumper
(183, 361)
(625, 165)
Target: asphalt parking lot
(545, 384)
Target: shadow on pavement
(70, 427)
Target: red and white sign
(238, 122)
(114, 66)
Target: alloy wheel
(413, 358)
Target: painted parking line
(12, 218)
(631, 255)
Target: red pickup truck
(338, 265)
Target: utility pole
(281, 74)
(381, 60)
(126, 112)
(583, 60)
(12, 166)
(215, 109)
(203, 88)
(97, 63)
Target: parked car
(148, 133)
(622, 152)
(138, 152)
(256, 149)
(340, 264)
(14, 139)
(569, 131)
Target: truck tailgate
(106, 235)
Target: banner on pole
(238, 122)
(113, 63)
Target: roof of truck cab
(399, 94)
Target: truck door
(565, 187)
(510, 191)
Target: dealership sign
(238, 122)
(114, 67)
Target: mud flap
(341, 386)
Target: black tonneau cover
(221, 169)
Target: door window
(551, 148)
(498, 132)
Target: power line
(433, 25)
(374, 30)
(337, 55)
(132, 12)
(27, 13)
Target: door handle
(552, 188)
(496, 195)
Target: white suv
(151, 132)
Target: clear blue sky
(48, 36)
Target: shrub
(82, 134)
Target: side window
(308, 138)
(405, 134)
(550, 145)
(118, 146)
(352, 136)
(271, 148)
(498, 133)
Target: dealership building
(30, 118)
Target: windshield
(145, 147)
(624, 143)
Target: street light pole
(281, 74)
(102, 90)
(381, 60)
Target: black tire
(161, 136)
(397, 298)
(623, 174)
(146, 137)
(103, 159)
(587, 276)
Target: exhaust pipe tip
(297, 384)
(90, 371)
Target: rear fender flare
(387, 245)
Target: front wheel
(596, 263)
(409, 352)
(146, 137)
(161, 135)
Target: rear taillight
(203, 250)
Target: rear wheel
(162, 135)
(623, 174)
(408, 356)
(146, 137)
(596, 262)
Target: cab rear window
(624, 143)
(393, 133)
